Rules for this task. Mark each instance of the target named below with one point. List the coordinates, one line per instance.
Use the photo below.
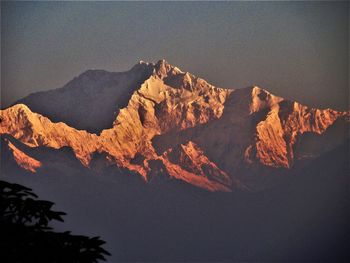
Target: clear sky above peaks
(297, 50)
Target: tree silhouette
(25, 234)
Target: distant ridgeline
(156, 121)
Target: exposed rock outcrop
(206, 133)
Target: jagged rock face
(22, 159)
(36, 130)
(285, 121)
(188, 162)
(201, 134)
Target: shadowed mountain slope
(213, 138)
(91, 100)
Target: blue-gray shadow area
(303, 219)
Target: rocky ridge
(202, 134)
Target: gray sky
(298, 50)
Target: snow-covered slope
(90, 101)
(201, 134)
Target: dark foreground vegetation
(25, 234)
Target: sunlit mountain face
(166, 167)
(156, 122)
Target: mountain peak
(19, 108)
(209, 134)
(142, 62)
(163, 62)
(162, 69)
(142, 66)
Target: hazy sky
(298, 50)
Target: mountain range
(156, 122)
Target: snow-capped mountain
(156, 120)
